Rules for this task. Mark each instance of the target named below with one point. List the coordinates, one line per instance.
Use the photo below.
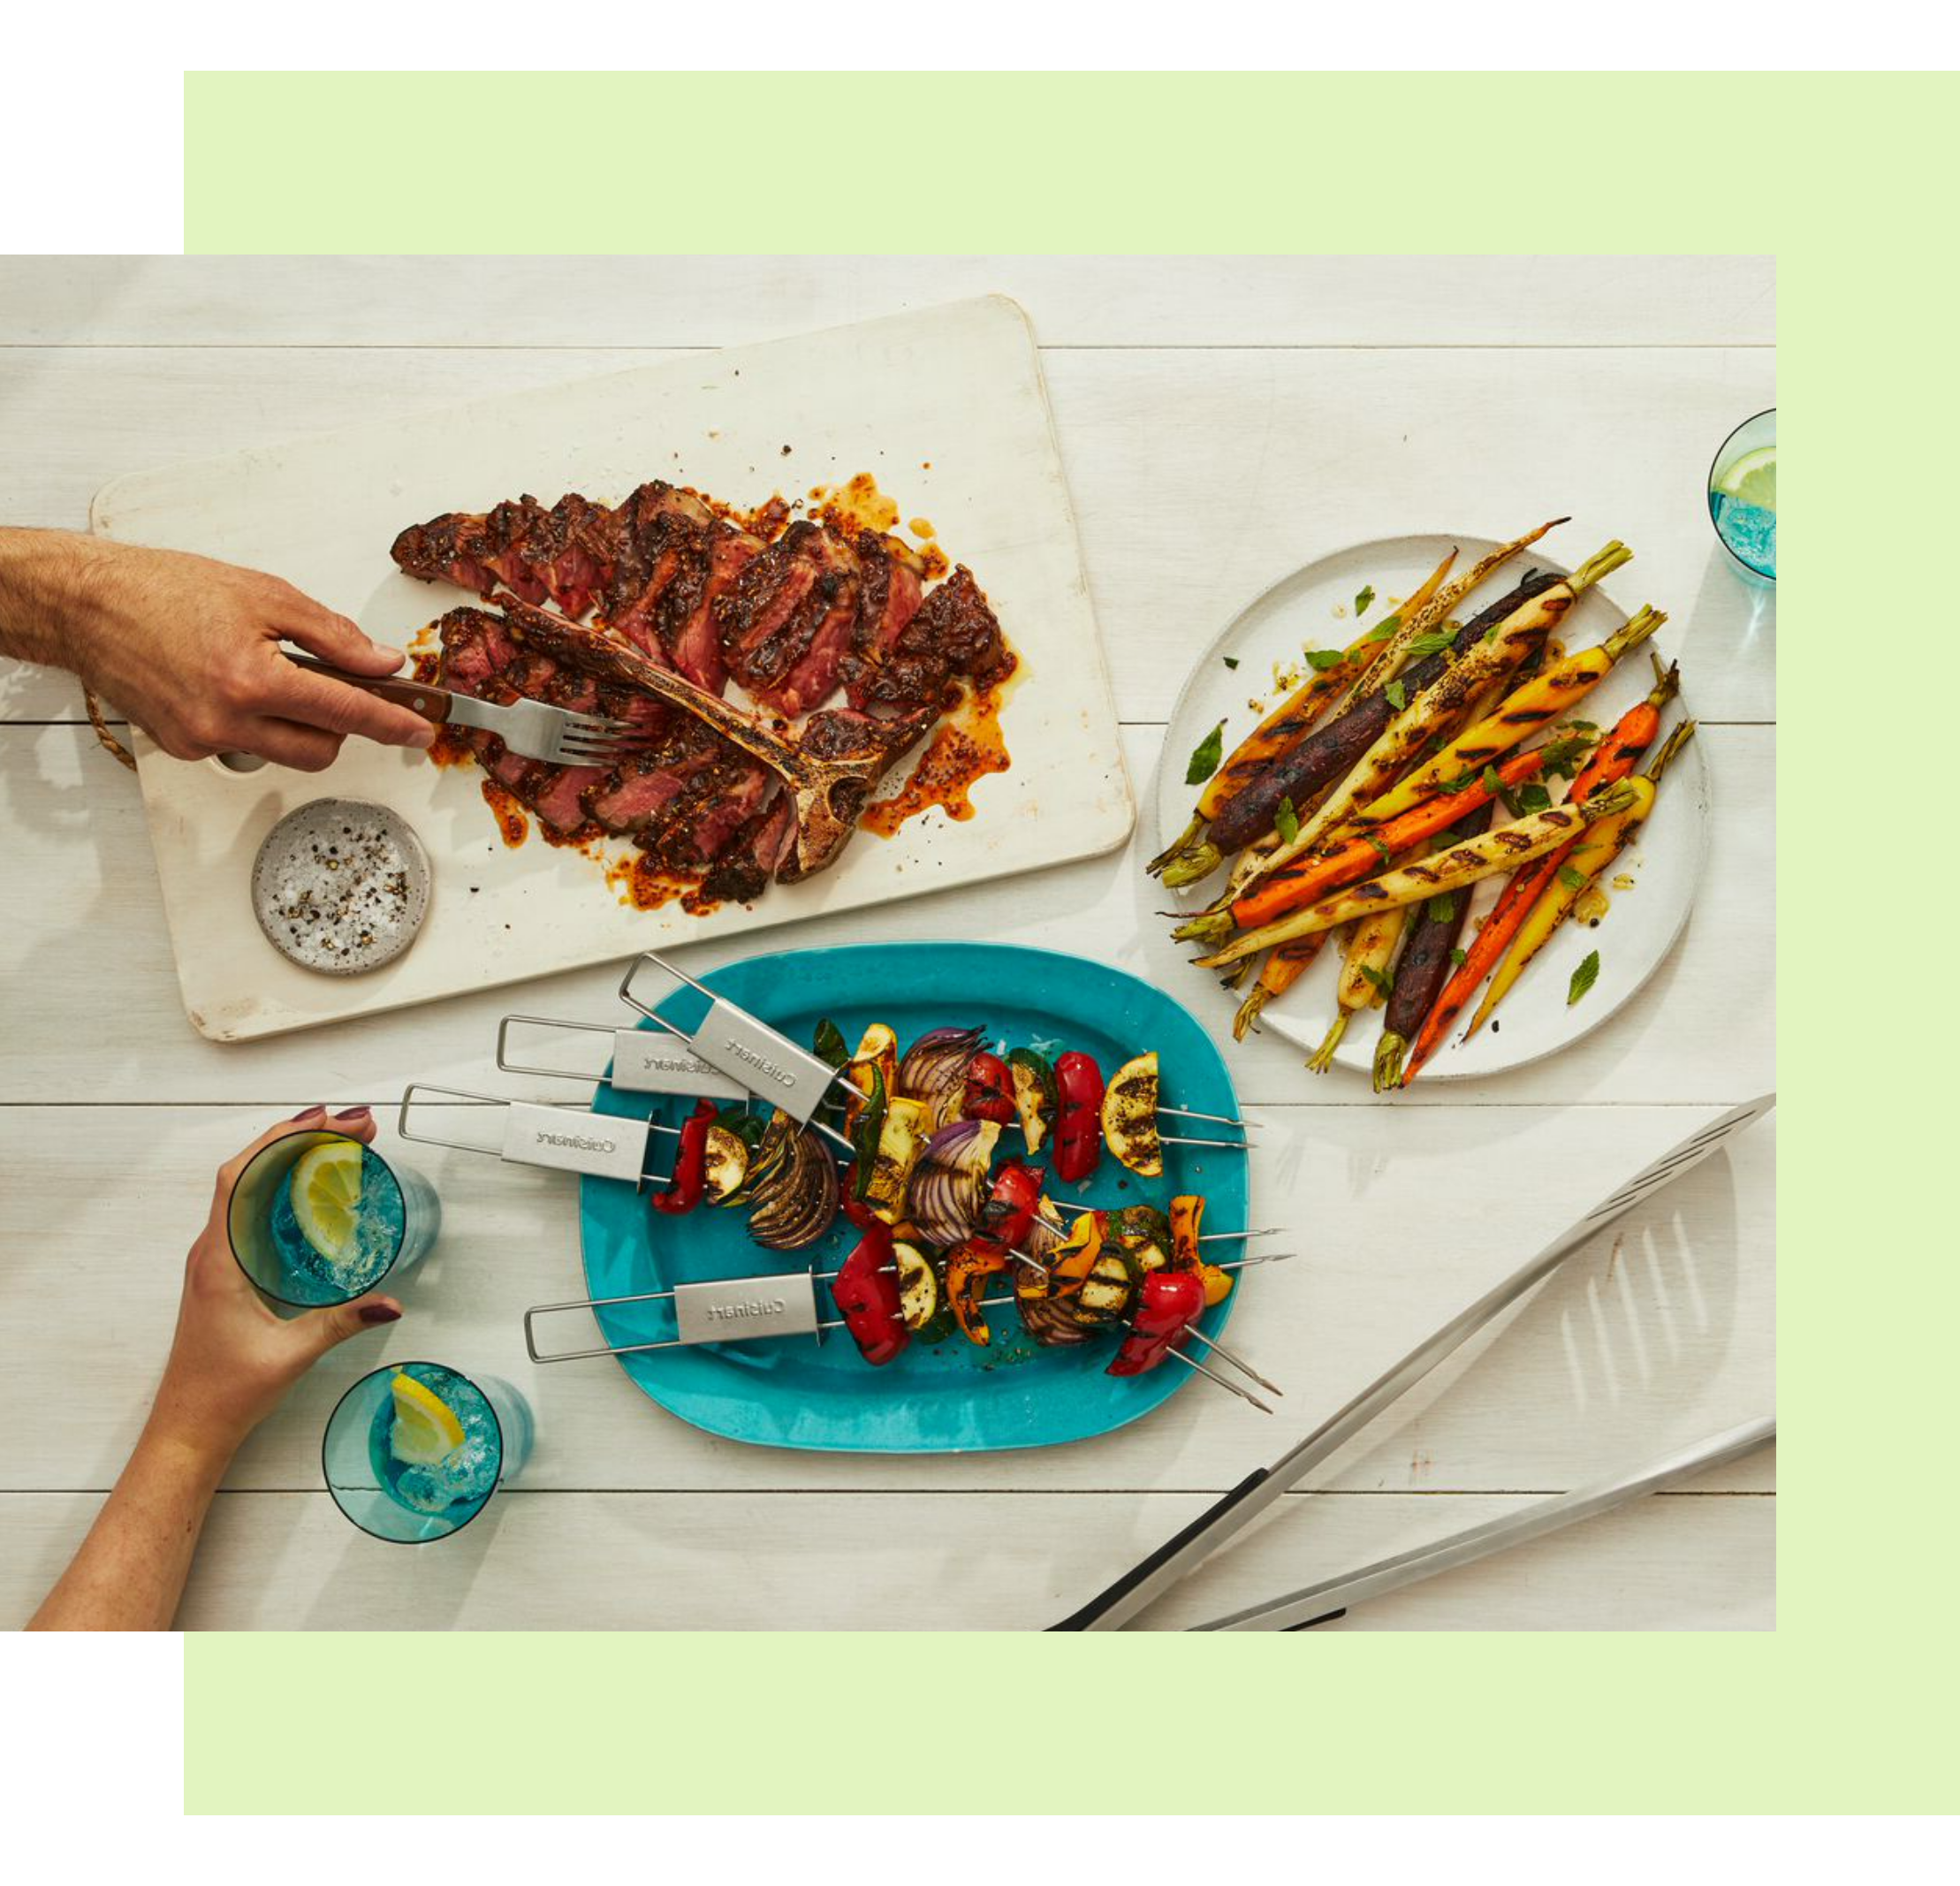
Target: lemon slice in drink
(426, 1427)
(1751, 479)
(326, 1194)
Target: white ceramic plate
(1314, 608)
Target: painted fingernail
(312, 1113)
(355, 1115)
(379, 1314)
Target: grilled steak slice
(685, 613)
(743, 871)
(952, 633)
(563, 555)
(637, 794)
(891, 588)
(955, 626)
(787, 619)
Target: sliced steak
(787, 621)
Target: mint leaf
(1441, 910)
(1384, 984)
(1458, 958)
(1205, 757)
(1573, 880)
(1433, 643)
(1533, 797)
(1231, 661)
(1366, 597)
(1583, 978)
(1286, 821)
(1396, 695)
(1321, 659)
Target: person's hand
(233, 1359)
(189, 650)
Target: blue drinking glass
(432, 1492)
(386, 1232)
(1741, 498)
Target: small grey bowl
(340, 886)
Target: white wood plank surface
(518, 301)
(651, 1562)
(1220, 421)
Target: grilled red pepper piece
(1079, 1136)
(690, 1166)
(990, 1093)
(1009, 1213)
(866, 1289)
(1167, 1304)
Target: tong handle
(434, 705)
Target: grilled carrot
(1521, 715)
(1283, 968)
(1190, 859)
(1308, 878)
(1439, 706)
(1312, 769)
(1365, 972)
(1500, 849)
(1425, 957)
(1612, 760)
(1399, 648)
(1602, 843)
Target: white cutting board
(945, 407)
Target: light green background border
(1843, 1707)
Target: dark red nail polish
(310, 1113)
(379, 1314)
(355, 1115)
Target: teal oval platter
(955, 1398)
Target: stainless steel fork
(533, 729)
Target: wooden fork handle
(432, 704)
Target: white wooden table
(1221, 423)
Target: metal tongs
(1181, 1555)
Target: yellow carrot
(1551, 693)
(1603, 842)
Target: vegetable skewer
(1612, 760)
(1276, 736)
(1500, 849)
(1601, 844)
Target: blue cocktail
(414, 1450)
(319, 1218)
(1742, 497)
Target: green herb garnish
(1573, 880)
(1562, 757)
(1442, 909)
(1384, 983)
(1583, 978)
(1396, 695)
(1433, 643)
(1231, 661)
(1383, 628)
(1457, 959)
(1366, 597)
(1321, 659)
(1533, 797)
(1286, 821)
(1379, 847)
(1205, 757)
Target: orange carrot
(1612, 759)
(1308, 880)
(1283, 968)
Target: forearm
(45, 582)
(129, 1572)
